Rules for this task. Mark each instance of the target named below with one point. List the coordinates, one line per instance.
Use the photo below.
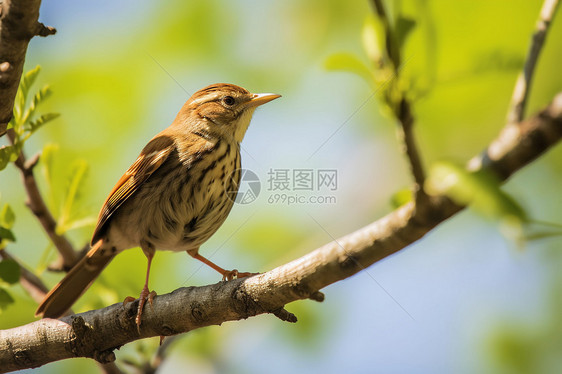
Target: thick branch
(523, 85)
(18, 24)
(97, 333)
(37, 205)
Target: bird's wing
(151, 158)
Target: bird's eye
(228, 100)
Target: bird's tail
(76, 282)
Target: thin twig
(152, 366)
(37, 205)
(97, 333)
(522, 88)
(391, 44)
(410, 148)
(403, 110)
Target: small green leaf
(373, 38)
(401, 197)
(78, 223)
(545, 229)
(78, 173)
(26, 82)
(34, 125)
(19, 108)
(47, 157)
(6, 153)
(5, 299)
(9, 271)
(7, 216)
(349, 63)
(6, 234)
(480, 190)
(542, 235)
(404, 27)
(39, 97)
(46, 162)
(28, 79)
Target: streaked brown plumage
(174, 196)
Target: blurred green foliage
(9, 275)
(527, 347)
(7, 220)
(480, 190)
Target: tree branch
(18, 24)
(96, 334)
(523, 85)
(37, 205)
(411, 150)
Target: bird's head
(222, 110)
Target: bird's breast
(185, 201)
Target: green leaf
(401, 197)
(43, 94)
(6, 234)
(46, 160)
(7, 216)
(39, 97)
(546, 230)
(542, 235)
(26, 82)
(373, 38)
(34, 125)
(78, 172)
(28, 79)
(478, 189)
(5, 299)
(349, 63)
(78, 223)
(19, 107)
(404, 27)
(9, 271)
(6, 153)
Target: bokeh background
(463, 299)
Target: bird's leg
(145, 293)
(226, 274)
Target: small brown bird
(174, 196)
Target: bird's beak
(259, 99)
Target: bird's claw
(145, 296)
(151, 297)
(128, 299)
(233, 274)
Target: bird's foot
(229, 275)
(144, 296)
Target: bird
(175, 195)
